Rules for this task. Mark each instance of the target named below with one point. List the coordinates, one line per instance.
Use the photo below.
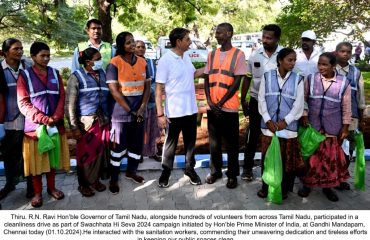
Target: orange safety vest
(221, 77)
(131, 78)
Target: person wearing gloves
(40, 94)
(87, 112)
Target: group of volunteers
(113, 104)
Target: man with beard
(94, 30)
(262, 60)
(307, 55)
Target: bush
(364, 65)
(65, 73)
(199, 64)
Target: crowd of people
(114, 107)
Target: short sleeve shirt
(177, 75)
(259, 63)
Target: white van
(245, 46)
(197, 51)
(150, 50)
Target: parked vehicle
(197, 51)
(245, 46)
(150, 50)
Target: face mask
(97, 65)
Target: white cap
(309, 34)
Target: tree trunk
(106, 19)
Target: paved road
(181, 195)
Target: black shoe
(343, 186)
(330, 194)
(262, 193)
(113, 187)
(304, 191)
(247, 175)
(163, 181)
(5, 191)
(232, 183)
(212, 178)
(156, 158)
(141, 159)
(193, 176)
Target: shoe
(98, 186)
(343, 186)
(141, 159)
(163, 181)
(247, 175)
(113, 187)
(212, 178)
(193, 176)
(5, 191)
(134, 177)
(56, 194)
(232, 183)
(156, 158)
(262, 193)
(304, 191)
(86, 191)
(36, 201)
(330, 194)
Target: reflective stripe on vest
(280, 101)
(132, 78)
(32, 92)
(353, 76)
(325, 106)
(12, 110)
(105, 50)
(221, 77)
(93, 94)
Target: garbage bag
(54, 154)
(273, 171)
(360, 162)
(44, 143)
(309, 139)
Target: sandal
(262, 193)
(330, 194)
(36, 201)
(56, 194)
(98, 186)
(86, 191)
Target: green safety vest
(105, 51)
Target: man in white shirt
(307, 55)
(175, 78)
(261, 61)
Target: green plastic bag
(54, 154)
(273, 171)
(360, 162)
(44, 143)
(309, 139)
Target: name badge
(54, 81)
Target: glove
(2, 131)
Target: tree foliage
(323, 17)
(52, 21)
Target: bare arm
(162, 120)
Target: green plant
(65, 73)
(199, 64)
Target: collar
(261, 50)
(90, 43)
(344, 69)
(333, 79)
(4, 65)
(175, 55)
(286, 76)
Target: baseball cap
(309, 34)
